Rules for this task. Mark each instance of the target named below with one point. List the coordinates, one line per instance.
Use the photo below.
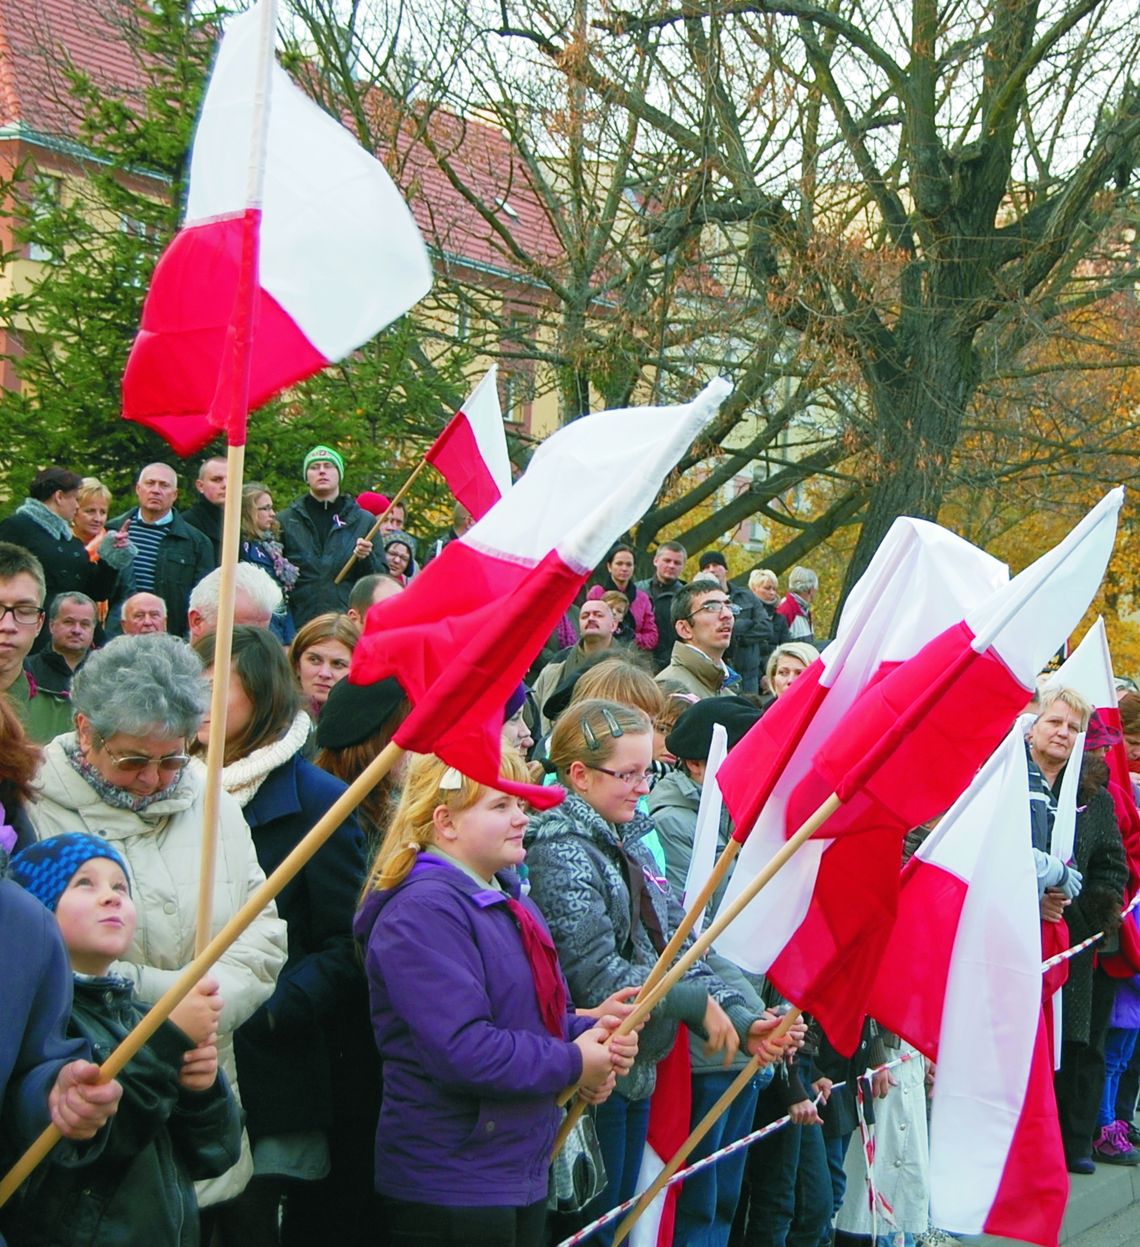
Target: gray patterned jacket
(578, 880)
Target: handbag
(577, 1173)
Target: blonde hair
(411, 829)
(587, 730)
(618, 679)
(615, 600)
(1071, 698)
(763, 576)
(92, 487)
(801, 650)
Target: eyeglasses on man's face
(716, 606)
(25, 613)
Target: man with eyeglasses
(703, 616)
(43, 715)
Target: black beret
(691, 736)
(353, 712)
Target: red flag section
(461, 637)
(471, 453)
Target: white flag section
(472, 451)
(706, 837)
(919, 582)
(971, 1000)
(340, 250)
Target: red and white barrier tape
(1077, 949)
(711, 1159)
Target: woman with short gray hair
(125, 774)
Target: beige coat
(161, 847)
(696, 671)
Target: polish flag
(960, 979)
(471, 452)
(462, 636)
(907, 743)
(706, 836)
(670, 1114)
(275, 282)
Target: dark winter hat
(713, 556)
(515, 702)
(691, 736)
(322, 454)
(45, 868)
(353, 712)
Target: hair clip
(589, 737)
(450, 780)
(615, 727)
(414, 847)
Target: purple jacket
(470, 1072)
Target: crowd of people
(378, 1057)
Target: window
(44, 201)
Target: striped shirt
(147, 538)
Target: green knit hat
(322, 454)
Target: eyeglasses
(630, 778)
(22, 613)
(716, 607)
(171, 763)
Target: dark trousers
(1129, 1089)
(432, 1225)
(787, 1195)
(708, 1199)
(1079, 1082)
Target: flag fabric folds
(670, 1114)
(961, 980)
(471, 453)
(463, 634)
(331, 248)
(901, 751)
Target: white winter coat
(162, 847)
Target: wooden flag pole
(186, 980)
(219, 695)
(239, 348)
(382, 517)
(648, 1000)
(703, 1127)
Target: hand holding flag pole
(256, 902)
(371, 533)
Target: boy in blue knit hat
(177, 1121)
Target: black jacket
(320, 559)
(184, 557)
(662, 598)
(321, 995)
(67, 566)
(208, 518)
(752, 635)
(160, 1140)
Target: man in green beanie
(320, 532)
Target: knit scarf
(110, 793)
(46, 518)
(242, 779)
(549, 986)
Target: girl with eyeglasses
(611, 911)
(471, 1017)
(124, 774)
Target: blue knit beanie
(46, 867)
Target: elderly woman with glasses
(125, 774)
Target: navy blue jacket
(286, 1049)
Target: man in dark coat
(208, 510)
(320, 532)
(668, 563)
(172, 557)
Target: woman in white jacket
(124, 774)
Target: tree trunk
(919, 411)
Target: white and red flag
(462, 636)
(471, 453)
(960, 979)
(670, 1114)
(296, 249)
(901, 751)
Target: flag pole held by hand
(702, 1128)
(188, 978)
(382, 517)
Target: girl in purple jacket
(470, 1013)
